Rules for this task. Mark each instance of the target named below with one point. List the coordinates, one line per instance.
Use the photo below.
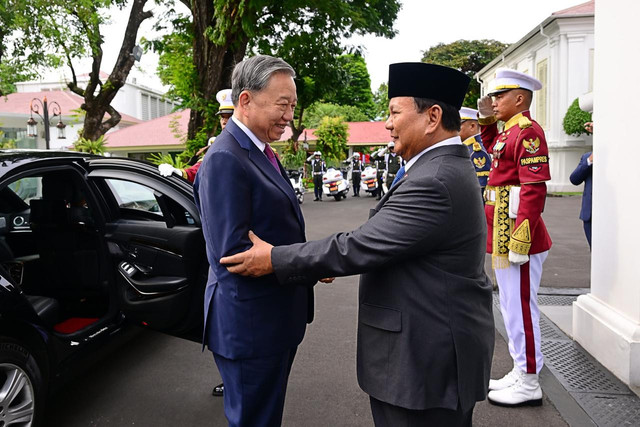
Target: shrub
(85, 145)
(575, 119)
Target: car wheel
(21, 385)
(300, 198)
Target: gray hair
(254, 73)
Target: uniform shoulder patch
(524, 122)
(479, 162)
(531, 145)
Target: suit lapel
(261, 161)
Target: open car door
(155, 240)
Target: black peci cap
(430, 81)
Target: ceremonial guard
(318, 168)
(225, 111)
(517, 237)
(393, 162)
(470, 135)
(356, 172)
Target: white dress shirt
(261, 145)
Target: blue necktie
(399, 176)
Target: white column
(606, 322)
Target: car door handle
(143, 285)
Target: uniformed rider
(318, 168)
(356, 172)
(393, 162)
(378, 160)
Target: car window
(131, 195)
(27, 188)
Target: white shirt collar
(261, 145)
(450, 141)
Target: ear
(434, 114)
(244, 99)
(520, 99)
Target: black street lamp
(36, 106)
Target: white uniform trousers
(518, 286)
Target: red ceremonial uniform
(190, 172)
(520, 159)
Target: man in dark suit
(252, 326)
(583, 173)
(425, 326)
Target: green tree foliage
(306, 34)
(320, 110)
(354, 85)
(291, 160)
(91, 146)
(574, 120)
(332, 138)
(23, 44)
(71, 31)
(381, 102)
(468, 56)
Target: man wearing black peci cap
(425, 323)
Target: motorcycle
(334, 184)
(369, 181)
(295, 177)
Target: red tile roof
(360, 133)
(581, 9)
(18, 103)
(154, 132)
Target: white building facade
(559, 53)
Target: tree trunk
(213, 62)
(296, 131)
(96, 105)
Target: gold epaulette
(524, 122)
(485, 121)
(476, 147)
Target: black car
(88, 245)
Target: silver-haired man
(252, 325)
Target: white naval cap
(507, 79)
(224, 99)
(468, 114)
(391, 144)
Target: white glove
(485, 107)
(166, 169)
(518, 259)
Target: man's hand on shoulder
(254, 262)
